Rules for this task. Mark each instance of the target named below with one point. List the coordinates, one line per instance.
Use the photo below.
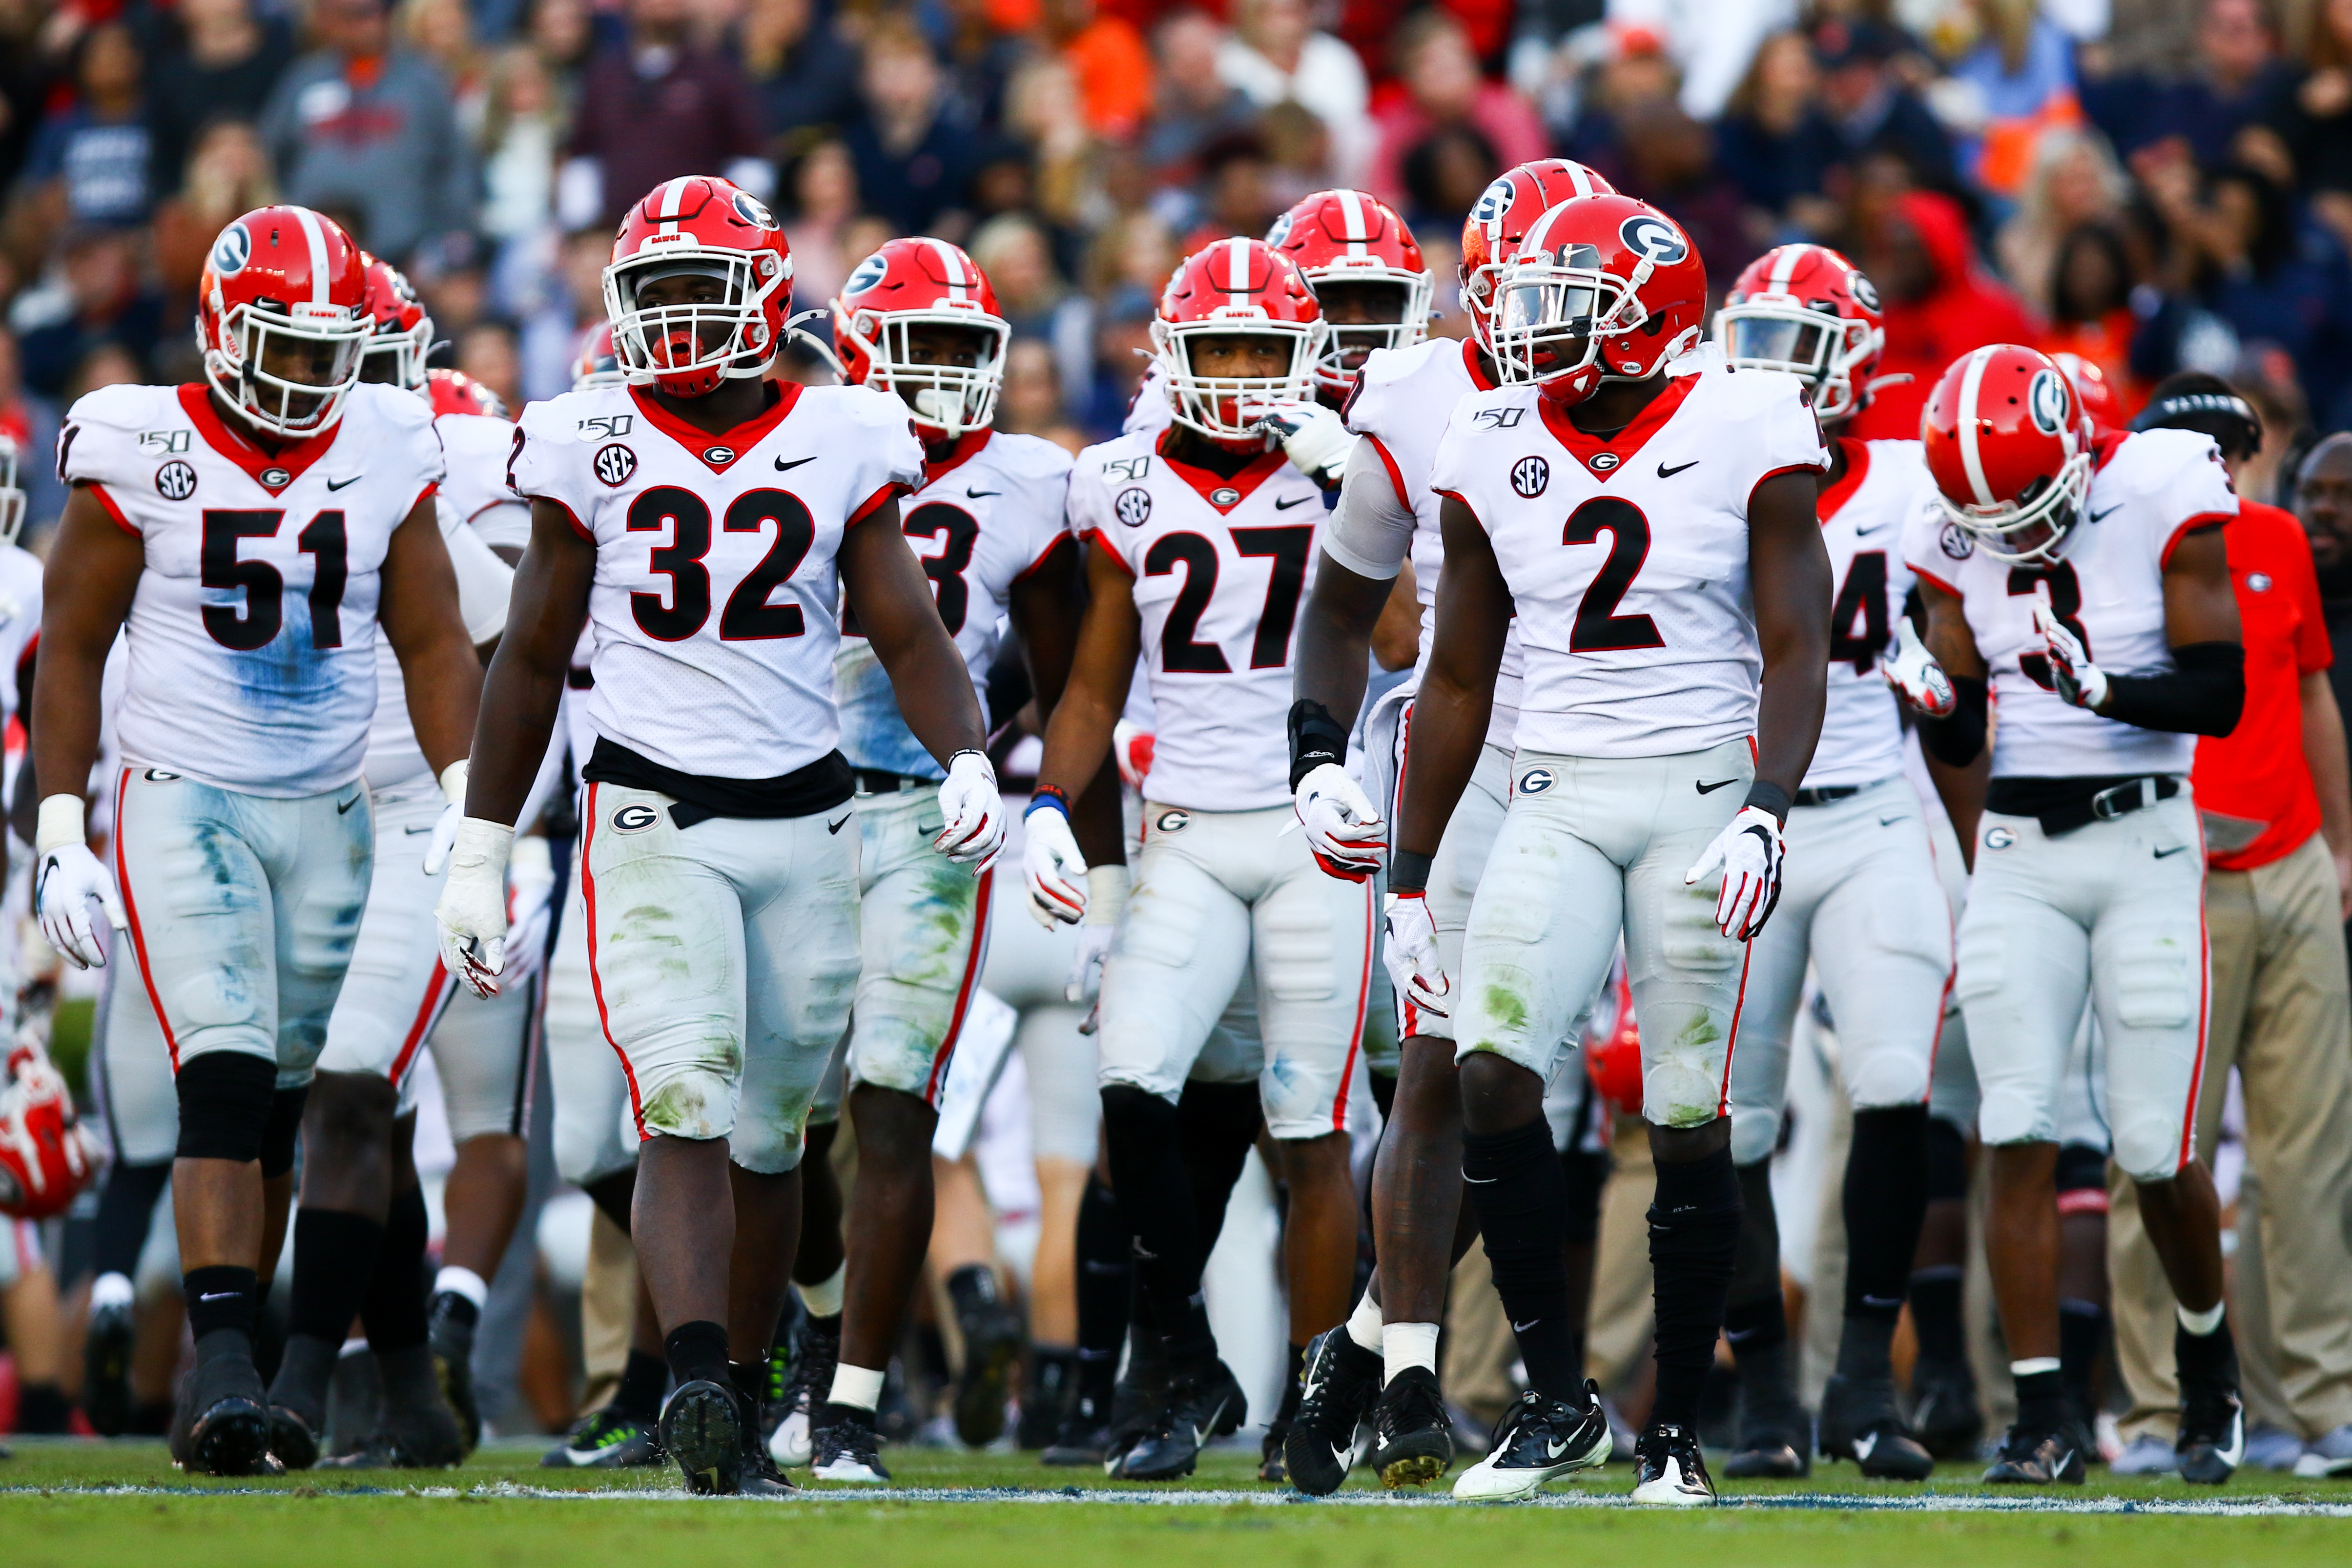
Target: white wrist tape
(453, 783)
(61, 822)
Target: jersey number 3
(2065, 602)
(748, 616)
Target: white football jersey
(20, 617)
(1221, 567)
(1628, 557)
(715, 596)
(1148, 413)
(982, 521)
(1863, 522)
(253, 631)
(2107, 583)
(1402, 400)
(479, 447)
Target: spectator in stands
(1443, 175)
(2317, 120)
(442, 32)
(1671, 160)
(1122, 350)
(1275, 53)
(824, 200)
(2016, 86)
(560, 30)
(227, 174)
(803, 70)
(979, 58)
(1108, 60)
(1031, 401)
(109, 303)
(655, 106)
(1636, 69)
(1012, 251)
(2075, 181)
(220, 62)
(1939, 304)
(1873, 108)
(522, 131)
(2323, 504)
(1196, 105)
(367, 125)
(2090, 310)
(94, 155)
(486, 350)
(1776, 144)
(2238, 79)
(912, 165)
(1443, 89)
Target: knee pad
(2147, 1148)
(1947, 1160)
(226, 1100)
(1885, 1077)
(284, 1126)
(1754, 1133)
(765, 1147)
(2008, 1117)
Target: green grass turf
(326, 1521)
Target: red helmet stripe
(1965, 419)
(315, 238)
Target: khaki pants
(2281, 1016)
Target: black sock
(1885, 1200)
(2041, 1402)
(394, 1312)
(1936, 1312)
(126, 1209)
(750, 1380)
(2211, 1358)
(698, 1353)
(643, 1380)
(1694, 1242)
(972, 1289)
(1105, 1276)
(221, 1295)
(1216, 1125)
(335, 1254)
(1292, 1367)
(2081, 1331)
(1148, 1165)
(1514, 1181)
(1586, 1175)
(1383, 1087)
(42, 1409)
(1755, 1317)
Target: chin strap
(792, 329)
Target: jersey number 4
(748, 616)
(1181, 650)
(256, 623)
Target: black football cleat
(847, 1447)
(1412, 1432)
(1944, 1414)
(2213, 1440)
(1338, 1385)
(701, 1429)
(221, 1426)
(1202, 1403)
(291, 1439)
(992, 1340)
(105, 1395)
(1859, 1421)
(1670, 1471)
(2033, 1458)
(1137, 1399)
(1084, 1436)
(1537, 1441)
(450, 1336)
(604, 1440)
(816, 1356)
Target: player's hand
(67, 880)
(1312, 437)
(1749, 852)
(530, 908)
(445, 829)
(1411, 954)
(975, 834)
(1052, 866)
(1131, 746)
(2078, 681)
(472, 914)
(1918, 682)
(1106, 888)
(1344, 831)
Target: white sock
(2033, 1365)
(2201, 1323)
(464, 1282)
(1407, 1344)
(111, 1290)
(856, 1385)
(1364, 1323)
(823, 1300)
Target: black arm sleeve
(2203, 694)
(1956, 741)
(1316, 738)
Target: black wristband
(1771, 797)
(1958, 738)
(1408, 872)
(1316, 738)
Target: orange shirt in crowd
(2108, 344)
(2257, 774)
(1114, 70)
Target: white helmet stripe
(1971, 460)
(315, 238)
(1784, 265)
(1238, 265)
(1352, 209)
(1580, 179)
(672, 195)
(953, 265)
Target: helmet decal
(2046, 401)
(753, 211)
(1493, 203)
(232, 250)
(1647, 234)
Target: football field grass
(94, 1505)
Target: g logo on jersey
(1535, 781)
(614, 463)
(232, 250)
(719, 456)
(1655, 238)
(1957, 542)
(275, 478)
(2046, 401)
(1602, 462)
(1133, 507)
(1173, 821)
(1530, 477)
(175, 480)
(1223, 495)
(635, 817)
(1998, 838)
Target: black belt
(2118, 799)
(1827, 795)
(881, 781)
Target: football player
(707, 521)
(1202, 544)
(2083, 576)
(1675, 635)
(917, 320)
(1386, 516)
(251, 532)
(1862, 904)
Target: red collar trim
(968, 446)
(195, 400)
(1626, 442)
(1857, 468)
(1478, 377)
(735, 442)
(1261, 468)
(2104, 445)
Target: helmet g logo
(1493, 203)
(232, 250)
(1279, 232)
(1865, 293)
(1653, 236)
(752, 211)
(870, 272)
(2045, 399)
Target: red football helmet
(454, 392)
(1806, 310)
(1344, 242)
(280, 319)
(402, 333)
(1235, 288)
(2099, 400)
(924, 297)
(1602, 287)
(2009, 446)
(1612, 1055)
(596, 366)
(1504, 213)
(698, 226)
(45, 1153)
(12, 494)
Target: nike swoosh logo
(2174, 850)
(1667, 473)
(413, 832)
(1520, 1328)
(339, 484)
(1295, 500)
(796, 462)
(1554, 1447)
(976, 495)
(836, 826)
(1865, 1445)
(216, 1296)
(1710, 789)
(346, 805)
(1888, 820)
(2101, 516)
(1481, 1181)
(1866, 532)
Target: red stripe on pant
(596, 980)
(437, 992)
(1723, 1090)
(131, 913)
(1355, 1035)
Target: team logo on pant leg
(1173, 821)
(1998, 838)
(1530, 477)
(635, 817)
(614, 463)
(1534, 781)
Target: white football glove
(1106, 888)
(1312, 437)
(472, 914)
(445, 829)
(2078, 681)
(1917, 680)
(1052, 866)
(67, 879)
(1411, 955)
(1749, 852)
(975, 834)
(530, 909)
(1343, 829)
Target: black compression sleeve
(2203, 694)
(1955, 741)
(1316, 738)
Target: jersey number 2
(1599, 627)
(256, 624)
(748, 616)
